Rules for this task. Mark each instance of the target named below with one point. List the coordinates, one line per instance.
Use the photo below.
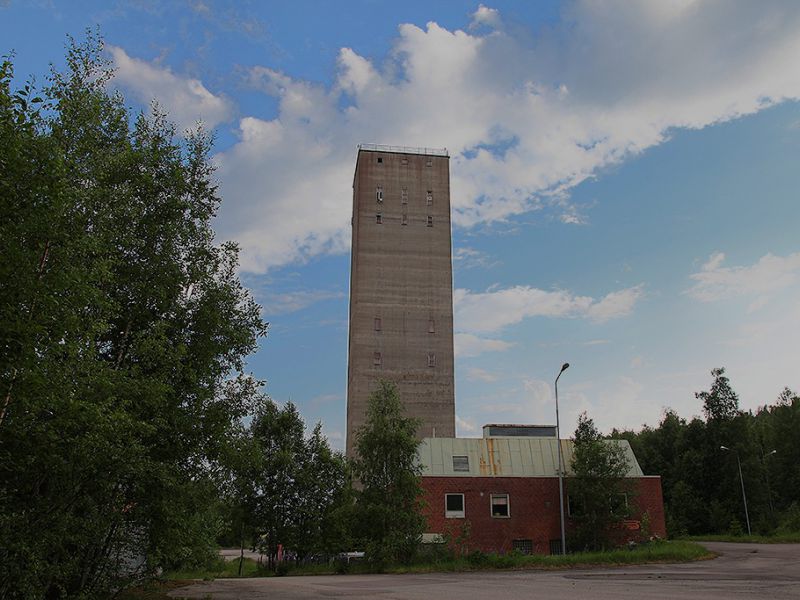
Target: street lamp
(564, 367)
(741, 479)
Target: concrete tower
(401, 286)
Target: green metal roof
(504, 457)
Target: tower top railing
(404, 149)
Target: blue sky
(624, 181)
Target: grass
(659, 552)
(221, 569)
(778, 538)
(677, 551)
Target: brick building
(401, 286)
(505, 485)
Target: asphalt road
(741, 571)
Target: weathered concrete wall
(401, 288)
(533, 508)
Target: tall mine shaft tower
(401, 286)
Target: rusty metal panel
(505, 457)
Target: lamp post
(741, 480)
(564, 367)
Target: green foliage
(123, 332)
(388, 512)
(702, 491)
(599, 468)
(720, 402)
(287, 489)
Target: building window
(404, 219)
(378, 219)
(404, 161)
(431, 359)
(377, 323)
(429, 198)
(461, 464)
(500, 505)
(377, 360)
(429, 162)
(430, 221)
(522, 546)
(380, 159)
(454, 506)
(379, 193)
(619, 504)
(404, 196)
(431, 326)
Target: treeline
(131, 436)
(700, 479)
(123, 333)
(290, 493)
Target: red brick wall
(533, 503)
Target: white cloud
(770, 274)
(185, 99)
(289, 302)
(525, 118)
(465, 426)
(484, 15)
(493, 310)
(468, 345)
(478, 374)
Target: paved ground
(741, 571)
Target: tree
(298, 484)
(597, 486)
(388, 509)
(123, 332)
(720, 402)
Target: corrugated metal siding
(504, 457)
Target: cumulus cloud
(770, 274)
(478, 374)
(490, 311)
(467, 345)
(283, 303)
(526, 118)
(186, 99)
(465, 426)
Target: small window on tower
(431, 359)
(461, 464)
(429, 162)
(379, 193)
(377, 323)
(429, 198)
(431, 326)
(404, 161)
(376, 359)
(404, 195)
(380, 159)
(404, 219)
(379, 219)
(430, 221)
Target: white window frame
(455, 514)
(508, 506)
(379, 193)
